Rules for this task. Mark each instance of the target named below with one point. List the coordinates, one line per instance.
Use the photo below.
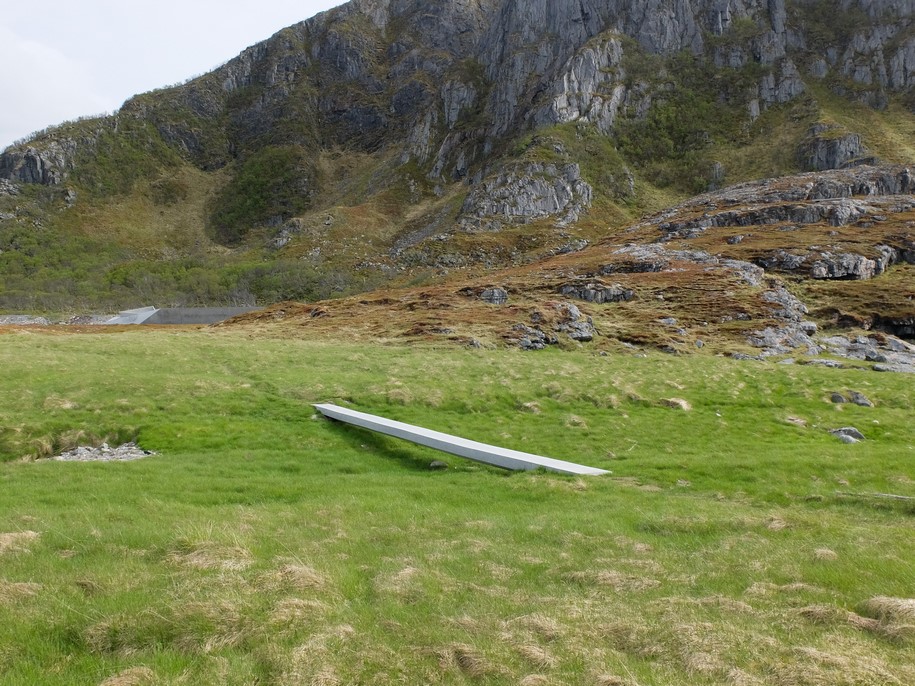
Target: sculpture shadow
(412, 457)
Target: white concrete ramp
(472, 450)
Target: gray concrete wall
(196, 315)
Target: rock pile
(104, 453)
(889, 354)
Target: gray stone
(843, 266)
(494, 296)
(848, 431)
(846, 438)
(531, 338)
(104, 453)
(838, 398)
(827, 148)
(598, 293)
(860, 399)
(832, 364)
(23, 320)
(438, 465)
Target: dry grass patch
(891, 610)
(17, 541)
(848, 666)
(611, 680)
(618, 581)
(542, 625)
(310, 663)
(297, 611)
(295, 575)
(826, 614)
(11, 591)
(466, 658)
(401, 583)
(537, 656)
(632, 639)
(135, 676)
(212, 555)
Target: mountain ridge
(384, 142)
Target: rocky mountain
(387, 141)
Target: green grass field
(263, 545)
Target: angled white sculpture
(472, 450)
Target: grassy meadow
(736, 541)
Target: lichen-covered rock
(590, 88)
(519, 194)
(843, 266)
(8, 188)
(596, 292)
(494, 296)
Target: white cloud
(41, 86)
(60, 59)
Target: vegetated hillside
(802, 266)
(395, 142)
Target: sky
(65, 59)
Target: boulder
(848, 432)
(860, 399)
(596, 292)
(494, 296)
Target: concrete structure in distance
(472, 450)
(187, 316)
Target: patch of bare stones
(104, 453)
(890, 354)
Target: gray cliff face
(49, 159)
(523, 193)
(447, 83)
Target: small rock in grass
(495, 296)
(676, 404)
(438, 465)
(848, 434)
(838, 398)
(860, 399)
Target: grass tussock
(211, 555)
(537, 656)
(17, 541)
(615, 580)
(295, 575)
(134, 676)
(11, 591)
(466, 658)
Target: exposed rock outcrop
(828, 147)
(597, 292)
(520, 194)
